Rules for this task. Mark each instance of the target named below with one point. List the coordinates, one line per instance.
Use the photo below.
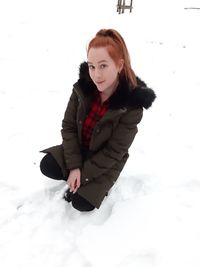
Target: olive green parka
(112, 136)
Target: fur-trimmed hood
(125, 96)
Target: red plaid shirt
(97, 111)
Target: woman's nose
(97, 73)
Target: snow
(151, 216)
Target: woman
(99, 124)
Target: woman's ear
(121, 65)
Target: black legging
(50, 168)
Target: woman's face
(103, 70)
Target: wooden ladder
(121, 6)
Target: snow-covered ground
(152, 216)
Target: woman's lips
(99, 82)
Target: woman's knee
(50, 168)
(81, 204)
(44, 164)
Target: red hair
(117, 50)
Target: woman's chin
(100, 89)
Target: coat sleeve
(69, 132)
(115, 148)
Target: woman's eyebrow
(101, 61)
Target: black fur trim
(125, 96)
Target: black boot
(68, 195)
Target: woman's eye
(90, 67)
(102, 66)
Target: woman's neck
(108, 93)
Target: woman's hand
(74, 180)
